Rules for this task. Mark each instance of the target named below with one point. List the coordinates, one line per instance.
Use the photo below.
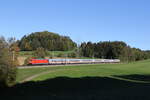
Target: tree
(7, 65)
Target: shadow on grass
(86, 88)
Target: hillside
(48, 40)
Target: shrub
(40, 53)
(26, 62)
(72, 55)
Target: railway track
(58, 65)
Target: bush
(40, 53)
(26, 62)
(72, 55)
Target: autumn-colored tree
(7, 64)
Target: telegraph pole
(13, 54)
(52, 49)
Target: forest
(47, 40)
(113, 50)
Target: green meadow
(98, 70)
(130, 81)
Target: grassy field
(55, 53)
(101, 70)
(84, 82)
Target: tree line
(47, 40)
(113, 50)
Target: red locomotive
(38, 61)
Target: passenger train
(70, 61)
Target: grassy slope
(55, 53)
(104, 70)
(90, 82)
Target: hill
(48, 40)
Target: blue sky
(82, 20)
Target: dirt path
(37, 75)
